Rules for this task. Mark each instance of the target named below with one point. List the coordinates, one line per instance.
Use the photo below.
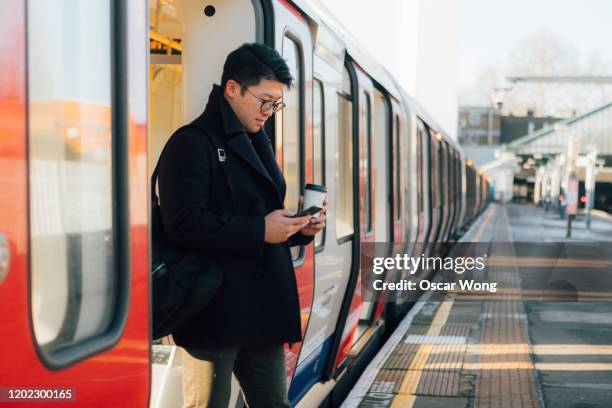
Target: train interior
(185, 61)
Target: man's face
(247, 104)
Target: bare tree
(545, 54)
(479, 92)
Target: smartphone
(312, 210)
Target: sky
(438, 48)
(488, 30)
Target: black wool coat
(217, 207)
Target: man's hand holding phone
(317, 223)
(281, 224)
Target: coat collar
(263, 159)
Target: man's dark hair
(250, 63)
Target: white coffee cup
(314, 194)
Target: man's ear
(232, 89)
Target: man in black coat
(223, 196)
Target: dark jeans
(260, 371)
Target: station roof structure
(591, 130)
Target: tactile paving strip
(428, 365)
(446, 357)
(388, 381)
(443, 384)
(401, 357)
(505, 372)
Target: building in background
(481, 130)
(479, 126)
(513, 127)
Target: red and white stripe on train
(88, 97)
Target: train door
(293, 143)
(460, 191)
(332, 166)
(444, 198)
(368, 188)
(451, 192)
(358, 320)
(471, 191)
(399, 165)
(73, 235)
(188, 46)
(436, 202)
(463, 192)
(423, 186)
(385, 108)
(345, 222)
(412, 180)
(454, 195)
(447, 191)
(477, 180)
(458, 206)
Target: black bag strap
(215, 140)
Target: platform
(503, 353)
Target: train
(88, 97)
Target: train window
(291, 126)
(398, 166)
(318, 145)
(367, 163)
(344, 168)
(74, 282)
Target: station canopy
(591, 131)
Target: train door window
(344, 167)
(318, 145)
(443, 173)
(367, 162)
(451, 175)
(440, 173)
(75, 286)
(449, 172)
(291, 131)
(398, 166)
(435, 194)
(420, 197)
(456, 178)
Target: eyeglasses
(266, 105)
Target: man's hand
(316, 223)
(279, 226)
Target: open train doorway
(189, 41)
